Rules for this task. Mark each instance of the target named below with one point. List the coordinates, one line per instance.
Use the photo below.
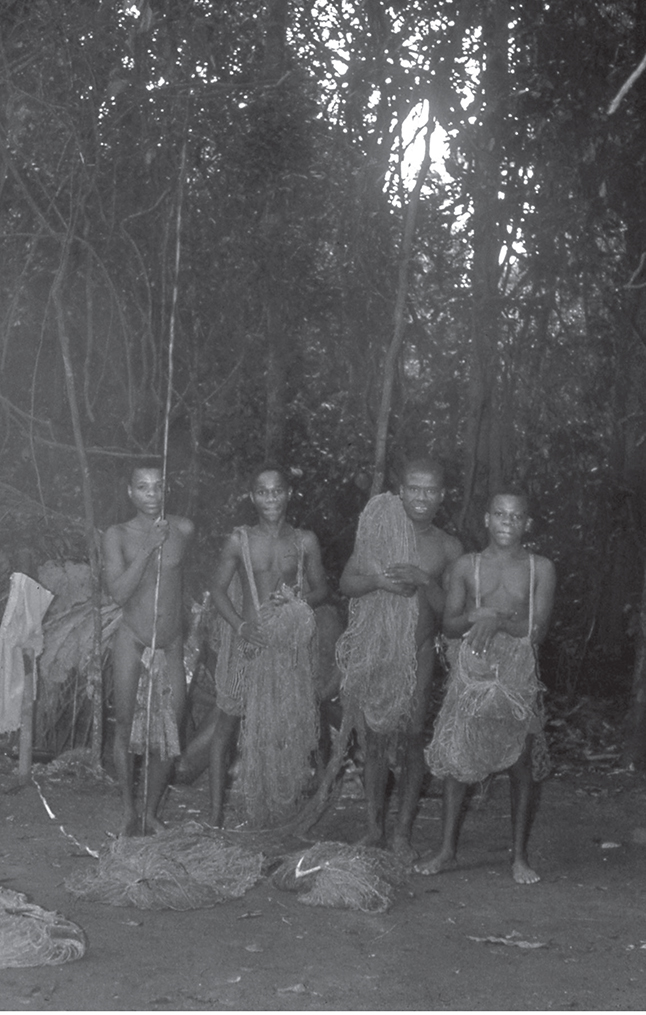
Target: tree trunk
(95, 683)
(399, 317)
(485, 451)
(275, 226)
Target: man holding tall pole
(142, 566)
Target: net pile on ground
(342, 876)
(183, 868)
(31, 936)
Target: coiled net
(182, 868)
(490, 708)
(342, 876)
(31, 936)
(377, 652)
(280, 724)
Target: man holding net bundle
(498, 609)
(394, 579)
(268, 580)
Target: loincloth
(491, 706)
(280, 713)
(160, 734)
(377, 652)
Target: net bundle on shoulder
(377, 652)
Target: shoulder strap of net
(532, 572)
(246, 557)
(476, 574)
(301, 559)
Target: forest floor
(458, 941)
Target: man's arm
(226, 567)
(317, 581)
(121, 579)
(543, 598)
(354, 584)
(456, 616)
(437, 588)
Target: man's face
(270, 495)
(421, 494)
(145, 491)
(507, 520)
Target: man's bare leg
(453, 798)
(413, 765)
(521, 791)
(159, 771)
(375, 780)
(126, 665)
(225, 733)
(411, 778)
(196, 757)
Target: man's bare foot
(374, 837)
(403, 850)
(215, 820)
(183, 774)
(435, 863)
(130, 826)
(153, 825)
(523, 873)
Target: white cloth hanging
(21, 629)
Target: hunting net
(376, 654)
(184, 868)
(31, 936)
(341, 876)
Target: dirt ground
(267, 951)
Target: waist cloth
(162, 734)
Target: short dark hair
(268, 467)
(140, 464)
(420, 463)
(510, 491)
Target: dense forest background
(262, 180)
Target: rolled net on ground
(491, 705)
(31, 936)
(183, 868)
(341, 876)
(377, 652)
(280, 725)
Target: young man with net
(268, 580)
(142, 566)
(387, 654)
(497, 611)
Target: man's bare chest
(504, 582)
(432, 553)
(172, 550)
(273, 556)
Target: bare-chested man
(499, 604)
(265, 673)
(131, 552)
(387, 655)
